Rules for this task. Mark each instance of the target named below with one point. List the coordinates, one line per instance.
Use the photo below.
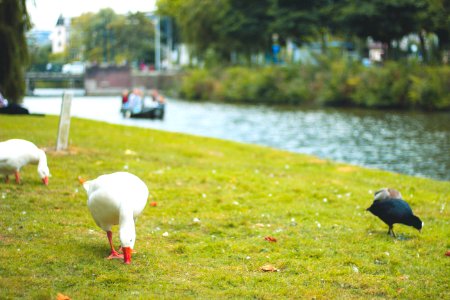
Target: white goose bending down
(117, 199)
(16, 153)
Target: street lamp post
(157, 44)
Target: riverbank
(418, 142)
(334, 82)
(217, 201)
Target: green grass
(241, 193)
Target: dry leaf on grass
(447, 253)
(269, 268)
(62, 297)
(270, 239)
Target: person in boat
(125, 94)
(135, 101)
(157, 97)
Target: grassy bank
(329, 82)
(327, 245)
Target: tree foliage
(112, 38)
(302, 21)
(14, 23)
(134, 37)
(230, 26)
(223, 26)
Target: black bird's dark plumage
(392, 211)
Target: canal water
(410, 143)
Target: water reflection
(410, 143)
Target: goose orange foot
(115, 255)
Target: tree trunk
(14, 22)
(323, 41)
(423, 47)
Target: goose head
(43, 170)
(127, 234)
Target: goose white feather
(117, 199)
(16, 153)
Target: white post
(64, 122)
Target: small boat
(135, 105)
(156, 112)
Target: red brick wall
(111, 80)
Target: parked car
(76, 67)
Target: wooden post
(64, 122)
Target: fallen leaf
(81, 179)
(268, 268)
(62, 297)
(270, 239)
(447, 253)
(153, 203)
(259, 225)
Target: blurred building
(60, 35)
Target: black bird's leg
(391, 231)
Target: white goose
(117, 199)
(16, 153)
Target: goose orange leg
(132, 250)
(114, 253)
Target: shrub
(296, 91)
(338, 83)
(382, 87)
(239, 85)
(333, 82)
(430, 88)
(197, 84)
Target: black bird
(392, 211)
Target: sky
(45, 13)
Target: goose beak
(126, 255)
(45, 180)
